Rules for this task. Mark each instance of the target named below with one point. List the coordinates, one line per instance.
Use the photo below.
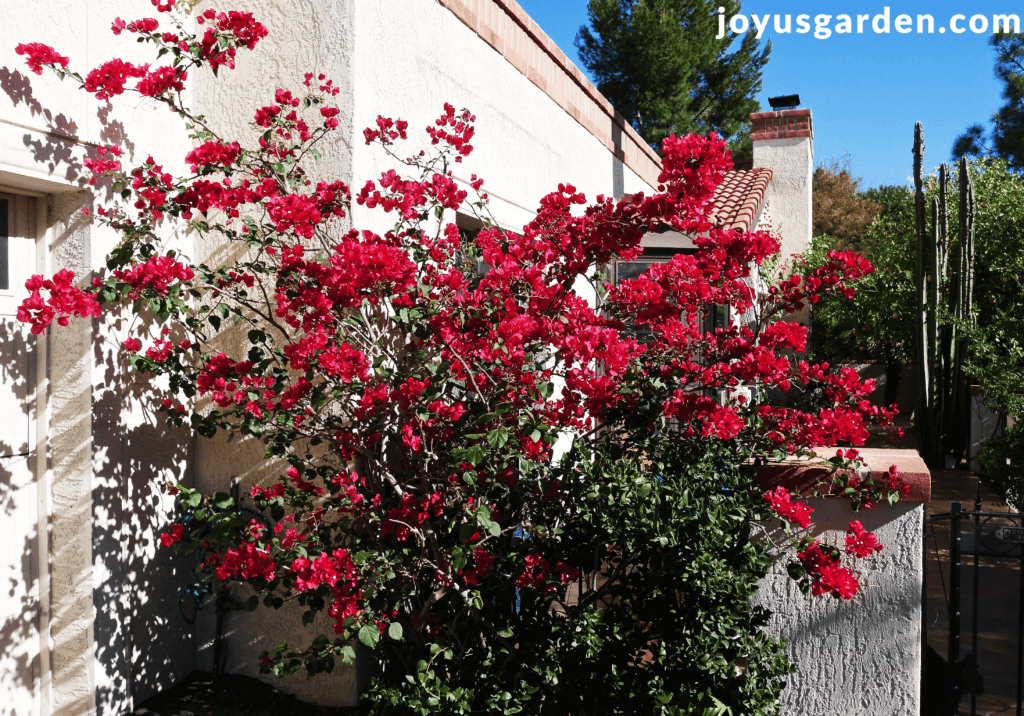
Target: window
(469, 227)
(717, 316)
(5, 278)
(19, 226)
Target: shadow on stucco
(19, 608)
(57, 151)
(142, 644)
(113, 454)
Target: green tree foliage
(877, 324)
(659, 63)
(1007, 138)
(997, 358)
(840, 209)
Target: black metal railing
(996, 535)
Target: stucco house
(89, 617)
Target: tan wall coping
(804, 476)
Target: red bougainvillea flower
(860, 542)
(174, 535)
(38, 54)
(783, 504)
(140, 26)
(535, 573)
(65, 300)
(103, 163)
(249, 561)
(826, 574)
(156, 274)
(109, 79)
(160, 80)
(566, 573)
(213, 155)
(895, 483)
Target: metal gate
(984, 571)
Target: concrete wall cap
(804, 476)
(779, 114)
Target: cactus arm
(925, 408)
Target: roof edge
(506, 27)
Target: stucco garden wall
(863, 657)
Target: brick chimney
(784, 142)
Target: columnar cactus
(945, 272)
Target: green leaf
(497, 439)
(395, 631)
(369, 635)
(473, 455)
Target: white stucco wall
(789, 193)
(858, 658)
(107, 632)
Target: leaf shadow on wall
(19, 578)
(143, 645)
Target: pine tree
(659, 63)
(1007, 139)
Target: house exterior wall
(303, 37)
(107, 632)
(526, 142)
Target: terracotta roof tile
(739, 197)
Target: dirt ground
(202, 694)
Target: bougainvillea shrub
(414, 385)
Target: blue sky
(867, 90)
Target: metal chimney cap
(789, 100)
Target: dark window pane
(631, 269)
(4, 226)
